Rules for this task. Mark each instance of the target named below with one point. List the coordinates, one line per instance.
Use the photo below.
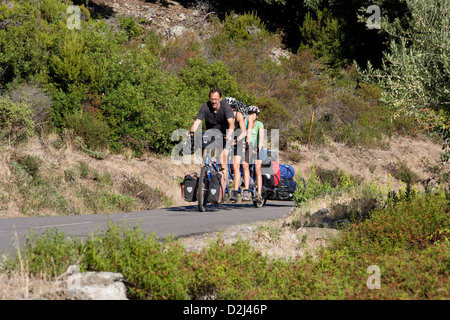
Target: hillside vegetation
(114, 83)
(108, 94)
(115, 86)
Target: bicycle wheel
(202, 189)
(262, 202)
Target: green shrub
(400, 171)
(273, 114)
(148, 112)
(37, 98)
(200, 77)
(86, 125)
(30, 164)
(324, 36)
(177, 51)
(152, 268)
(239, 30)
(409, 224)
(50, 253)
(23, 56)
(131, 26)
(76, 62)
(16, 121)
(409, 246)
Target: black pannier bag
(216, 188)
(189, 187)
(268, 179)
(286, 189)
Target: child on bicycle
(254, 152)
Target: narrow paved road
(177, 221)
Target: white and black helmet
(242, 108)
(231, 101)
(253, 109)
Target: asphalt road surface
(176, 221)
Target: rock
(93, 285)
(253, 30)
(72, 270)
(321, 218)
(178, 31)
(277, 53)
(315, 233)
(294, 237)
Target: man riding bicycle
(218, 115)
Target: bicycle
(210, 167)
(252, 186)
(252, 189)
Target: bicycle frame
(206, 172)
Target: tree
(324, 37)
(415, 72)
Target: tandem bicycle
(211, 169)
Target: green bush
(324, 36)
(164, 270)
(80, 58)
(130, 26)
(30, 164)
(144, 90)
(239, 30)
(199, 77)
(273, 114)
(152, 268)
(16, 121)
(86, 125)
(23, 56)
(50, 253)
(147, 108)
(411, 224)
(320, 183)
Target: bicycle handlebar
(205, 143)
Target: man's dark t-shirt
(216, 120)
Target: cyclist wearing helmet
(255, 138)
(239, 124)
(218, 115)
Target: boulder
(178, 31)
(92, 285)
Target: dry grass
(152, 177)
(70, 175)
(22, 286)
